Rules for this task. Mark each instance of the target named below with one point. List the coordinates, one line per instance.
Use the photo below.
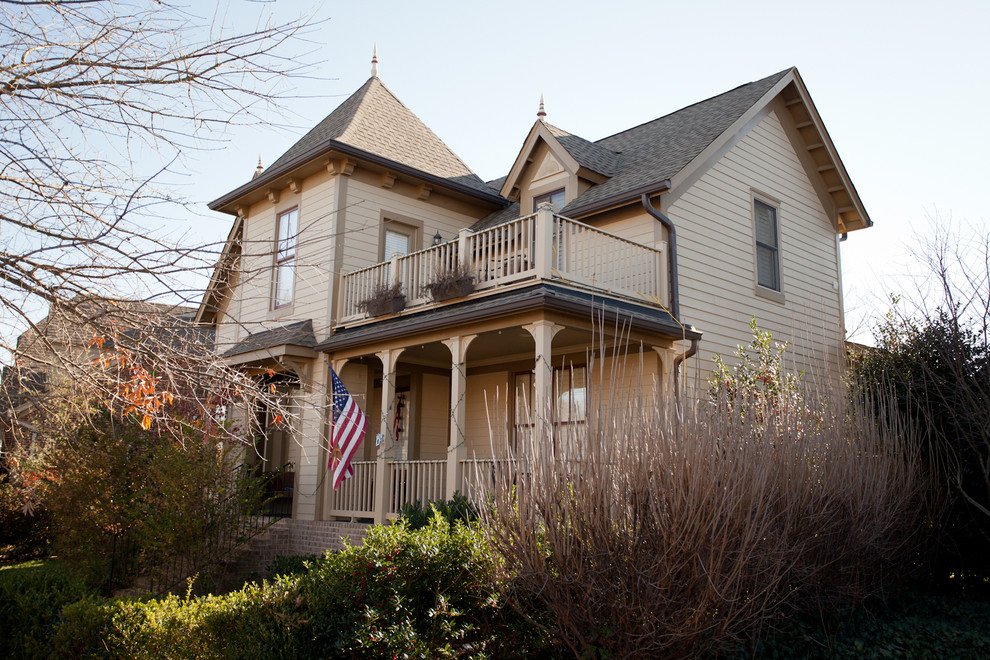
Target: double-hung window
(285, 258)
(767, 246)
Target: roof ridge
(779, 74)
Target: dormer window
(555, 199)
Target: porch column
(543, 332)
(457, 449)
(383, 486)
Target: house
(667, 237)
(53, 361)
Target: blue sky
(902, 88)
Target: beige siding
(716, 254)
(367, 203)
(487, 411)
(434, 424)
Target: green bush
(416, 515)
(291, 564)
(936, 373)
(425, 593)
(171, 501)
(32, 596)
(410, 593)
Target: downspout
(679, 359)
(675, 301)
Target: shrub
(416, 515)
(403, 593)
(32, 596)
(660, 531)
(937, 373)
(145, 503)
(424, 593)
(23, 534)
(291, 564)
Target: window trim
(400, 225)
(545, 197)
(279, 261)
(775, 294)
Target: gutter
(618, 199)
(268, 176)
(675, 298)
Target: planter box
(385, 305)
(457, 287)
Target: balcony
(539, 247)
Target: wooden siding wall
(434, 419)
(716, 254)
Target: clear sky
(902, 87)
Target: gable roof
(587, 154)
(657, 150)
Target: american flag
(349, 425)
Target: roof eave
(618, 199)
(223, 204)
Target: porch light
(437, 238)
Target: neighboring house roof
(295, 334)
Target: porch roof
(540, 296)
(293, 334)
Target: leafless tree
(91, 91)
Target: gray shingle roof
(374, 120)
(659, 149)
(588, 154)
(299, 333)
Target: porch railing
(356, 496)
(542, 245)
(424, 480)
(483, 475)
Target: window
(767, 247)
(556, 199)
(396, 242)
(285, 258)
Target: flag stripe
(349, 427)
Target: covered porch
(450, 394)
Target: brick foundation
(298, 537)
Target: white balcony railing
(542, 246)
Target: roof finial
(374, 63)
(259, 169)
(542, 114)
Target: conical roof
(374, 120)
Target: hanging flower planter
(385, 300)
(450, 283)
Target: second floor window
(285, 258)
(767, 247)
(556, 199)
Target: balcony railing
(542, 246)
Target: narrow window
(285, 258)
(767, 247)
